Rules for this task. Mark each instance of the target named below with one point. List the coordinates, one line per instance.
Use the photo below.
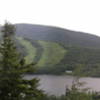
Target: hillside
(54, 58)
(56, 50)
(55, 34)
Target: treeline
(73, 96)
(88, 57)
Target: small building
(68, 71)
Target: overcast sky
(79, 15)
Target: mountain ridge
(56, 34)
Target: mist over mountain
(55, 34)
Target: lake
(56, 85)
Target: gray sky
(80, 15)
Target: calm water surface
(56, 85)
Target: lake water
(56, 85)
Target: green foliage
(79, 70)
(87, 57)
(76, 93)
(12, 68)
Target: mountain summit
(55, 34)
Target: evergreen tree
(12, 69)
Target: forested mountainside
(56, 50)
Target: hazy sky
(80, 15)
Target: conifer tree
(12, 69)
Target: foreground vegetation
(12, 69)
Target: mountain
(55, 34)
(56, 50)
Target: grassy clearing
(31, 50)
(53, 53)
